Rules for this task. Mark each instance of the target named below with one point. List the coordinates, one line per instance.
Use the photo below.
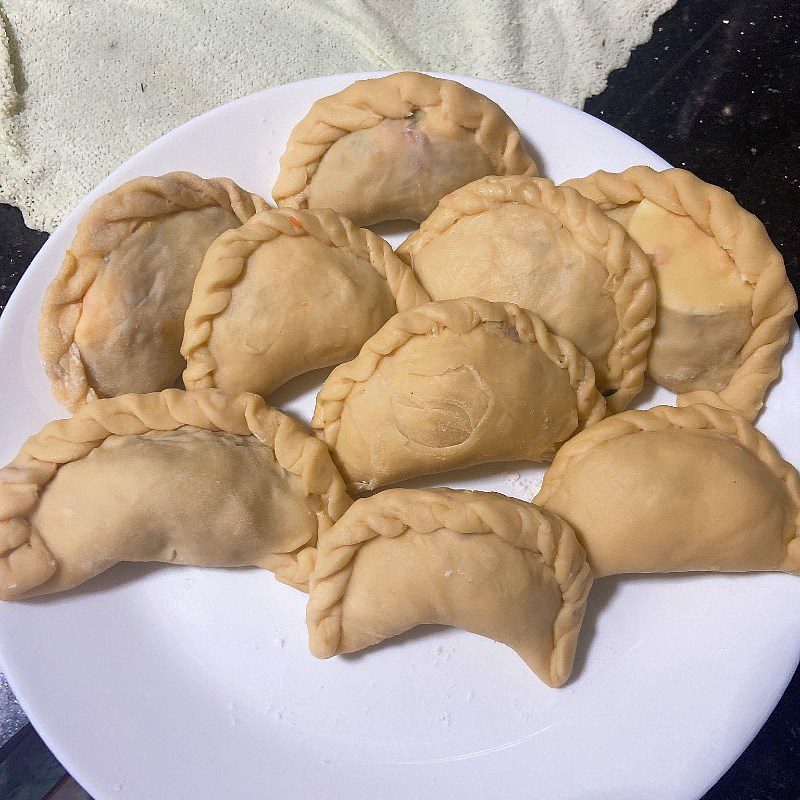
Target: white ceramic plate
(157, 682)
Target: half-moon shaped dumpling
(112, 320)
(483, 562)
(548, 249)
(725, 303)
(199, 478)
(392, 147)
(452, 384)
(288, 292)
(674, 490)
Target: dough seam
(66, 440)
(462, 315)
(227, 258)
(110, 220)
(746, 240)
(330, 118)
(691, 417)
(628, 268)
(553, 541)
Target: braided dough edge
(25, 561)
(628, 268)
(691, 417)
(747, 242)
(105, 225)
(461, 315)
(366, 103)
(227, 257)
(542, 533)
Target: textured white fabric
(84, 84)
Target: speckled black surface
(18, 246)
(716, 90)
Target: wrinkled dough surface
(189, 496)
(299, 305)
(672, 501)
(515, 253)
(452, 400)
(398, 169)
(704, 305)
(131, 324)
(477, 582)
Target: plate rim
(74, 767)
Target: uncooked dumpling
(112, 320)
(725, 303)
(451, 384)
(288, 292)
(547, 249)
(677, 489)
(198, 478)
(483, 562)
(392, 147)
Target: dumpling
(288, 292)
(483, 562)
(674, 490)
(725, 303)
(198, 478)
(392, 147)
(112, 320)
(525, 241)
(452, 384)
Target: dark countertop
(716, 90)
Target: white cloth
(84, 84)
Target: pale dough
(525, 241)
(675, 490)
(202, 478)
(287, 292)
(392, 147)
(112, 320)
(487, 563)
(725, 303)
(452, 384)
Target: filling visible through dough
(518, 254)
(704, 304)
(398, 169)
(188, 496)
(131, 325)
